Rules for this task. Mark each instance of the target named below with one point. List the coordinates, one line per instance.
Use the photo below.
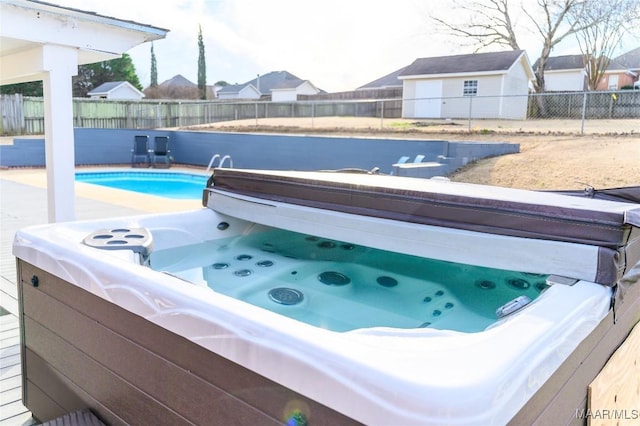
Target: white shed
(483, 85)
(565, 73)
(289, 91)
(116, 90)
(43, 41)
(239, 91)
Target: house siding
(515, 90)
(306, 89)
(624, 79)
(456, 105)
(564, 81)
(123, 92)
(408, 96)
(284, 95)
(434, 88)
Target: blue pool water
(170, 185)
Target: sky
(338, 45)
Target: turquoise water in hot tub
(163, 184)
(341, 286)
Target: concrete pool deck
(150, 203)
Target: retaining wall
(267, 151)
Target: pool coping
(150, 203)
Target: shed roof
(110, 86)
(563, 63)
(469, 63)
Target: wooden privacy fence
(25, 115)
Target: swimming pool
(171, 185)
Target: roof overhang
(521, 59)
(564, 70)
(452, 75)
(27, 26)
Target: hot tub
(330, 298)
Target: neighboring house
(116, 90)
(623, 71)
(282, 86)
(239, 91)
(441, 87)
(178, 82)
(564, 74)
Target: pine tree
(202, 67)
(154, 69)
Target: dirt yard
(553, 154)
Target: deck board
(23, 205)
(13, 412)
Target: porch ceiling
(27, 25)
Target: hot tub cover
(611, 226)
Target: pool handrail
(221, 163)
(215, 156)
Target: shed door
(428, 98)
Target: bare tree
(612, 21)
(491, 23)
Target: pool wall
(268, 151)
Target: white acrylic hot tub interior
(342, 286)
(377, 375)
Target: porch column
(59, 65)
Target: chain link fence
(574, 112)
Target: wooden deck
(24, 205)
(11, 408)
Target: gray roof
(389, 80)
(232, 88)
(470, 63)
(178, 81)
(105, 87)
(575, 62)
(629, 60)
(267, 83)
(275, 80)
(565, 62)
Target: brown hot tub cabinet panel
(82, 351)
